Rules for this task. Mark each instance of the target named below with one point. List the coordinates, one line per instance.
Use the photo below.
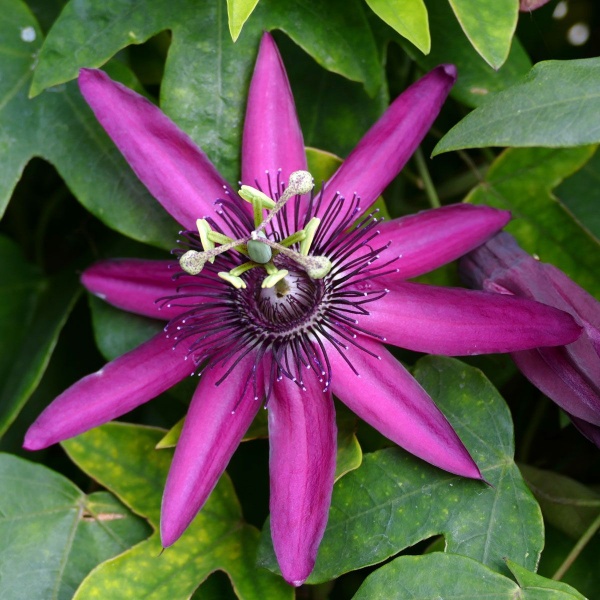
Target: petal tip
(33, 441)
(169, 534)
(450, 70)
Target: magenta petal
(215, 424)
(387, 397)
(302, 437)
(117, 388)
(432, 238)
(175, 171)
(135, 285)
(272, 135)
(454, 321)
(388, 145)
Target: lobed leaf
(52, 126)
(441, 575)
(53, 534)
(206, 74)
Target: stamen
(203, 231)
(237, 282)
(252, 195)
(239, 270)
(271, 280)
(309, 230)
(290, 240)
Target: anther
(271, 280)
(237, 282)
(310, 230)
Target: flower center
(288, 285)
(288, 306)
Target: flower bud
(569, 375)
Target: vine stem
(434, 201)
(576, 551)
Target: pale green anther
(272, 280)
(252, 195)
(257, 212)
(203, 231)
(192, 262)
(258, 251)
(236, 282)
(270, 268)
(290, 240)
(318, 267)
(241, 269)
(310, 230)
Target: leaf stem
(576, 551)
(434, 201)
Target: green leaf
(476, 79)
(117, 332)
(556, 105)
(123, 459)
(33, 311)
(206, 74)
(393, 500)
(489, 25)
(567, 504)
(521, 180)
(53, 534)
(59, 127)
(439, 575)
(238, 12)
(407, 17)
(580, 194)
(526, 579)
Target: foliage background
(68, 198)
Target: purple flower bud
(569, 375)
